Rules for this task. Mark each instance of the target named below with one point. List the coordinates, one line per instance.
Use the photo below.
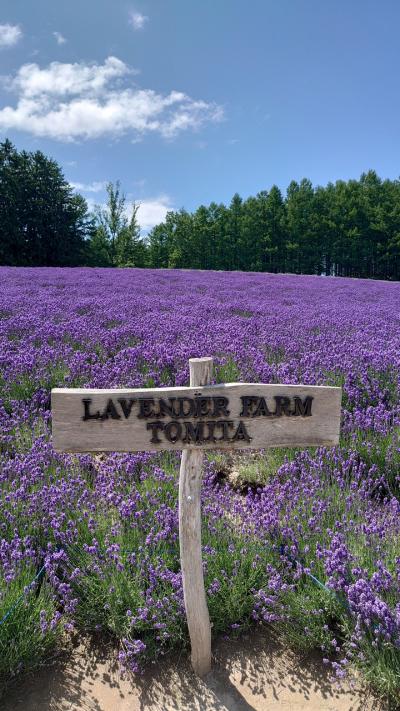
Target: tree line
(349, 228)
(346, 228)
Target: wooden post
(190, 479)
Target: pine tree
(42, 221)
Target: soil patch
(253, 673)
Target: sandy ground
(254, 673)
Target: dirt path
(253, 673)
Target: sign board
(231, 416)
(195, 418)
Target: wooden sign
(202, 416)
(233, 416)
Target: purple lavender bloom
(105, 528)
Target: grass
(26, 384)
(381, 669)
(27, 635)
(314, 615)
(252, 469)
(382, 452)
(227, 372)
(26, 433)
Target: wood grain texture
(72, 434)
(190, 478)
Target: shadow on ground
(253, 673)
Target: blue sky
(189, 101)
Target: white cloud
(96, 187)
(60, 39)
(69, 102)
(63, 79)
(9, 35)
(137, 20)
(152, 211)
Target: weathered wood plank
(93, 420)
(190, 478)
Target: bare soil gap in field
(252, 673)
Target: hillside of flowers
(89, 544)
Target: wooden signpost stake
(190, 477)
(192, 419)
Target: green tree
(303, 246)
(116, 240)
(129, 247)
(42, 221)
(112, 219)
(233, 241)
(98, 251)
(160, 243)
(274, 233)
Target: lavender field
(306, 541)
